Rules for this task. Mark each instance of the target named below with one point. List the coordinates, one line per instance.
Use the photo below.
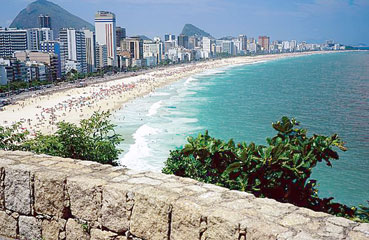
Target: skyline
(311, 20)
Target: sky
(345, 21)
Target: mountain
(143, 37)
(191, 30)
(227, 38)
(60, 18)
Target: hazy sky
(346, 21)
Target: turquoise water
(328, 93)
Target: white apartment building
(105, 27)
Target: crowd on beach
(42, 112)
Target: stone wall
(43, 197)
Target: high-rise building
(207, 45)
(193, 42)
(183, 41)
(13, 70)
(169, 45)
(44, 21)
(134, 45)
(293, 45)
(243, 40)
(228, 47)
(264, 43)
(105, 27)
(56, 48)
(237, 47)
(75, 46)
(90, 50)
(12, 40)
(121, 34)
(154, 50)
(36, 35)
(3, 74)
(169, 37)
(101, 56)
(50, 59)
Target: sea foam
(134, 158)
(154, 109)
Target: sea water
(327, 93)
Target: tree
(281, 170)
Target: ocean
(327, 93)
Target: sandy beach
(42, 113)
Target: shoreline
(41, 113)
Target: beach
(41, 113)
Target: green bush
(11, 138)
(281, 170)
(94, 140)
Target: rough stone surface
(43, 197)
(51, 229)
(353, 235)
(150, 215)
(8, 225)
(97, 234)
(294, 219)
(117, 207)
(85, 197)
(76, 231)
(29, 228)
(186, 218)
(49, 193)
(364, 228)
(17, 191)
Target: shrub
(94, 140)
(11, 138)
(281, 170)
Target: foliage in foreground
(93, 139)
(281, 170)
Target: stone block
(187, 220)
(51, 229)
(257, 229)
(294, 219)
(85, 197)
(76, 231)
(340, 221)
(363, 227)
(17, 191)
(29, 228)
(97, 234)
(8, 225)
(49, 193)
(353, 235)
(151, 214)
(117, 204)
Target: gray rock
(8, 225)
(17, 191)
(29, 228)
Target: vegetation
(281, 170)
(94, 140)
(11, 138)
(17, 85)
